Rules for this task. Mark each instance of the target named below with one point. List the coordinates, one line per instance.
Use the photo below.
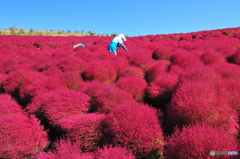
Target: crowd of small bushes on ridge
(171, 96)
(14, 31)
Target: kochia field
(171, 96)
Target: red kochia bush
(92, 88)
(197, 141)
(64, 149)
(134, 85)
(142, 60)
(65, 103)
(155, 70)
(9, 107)
(201, 102)
(236, 57)
(120, 63)
(211, 56)
(136, 127)
(162, 52)
(113, 153)
(72, 80)
(87, 131)
(184, 58)
(161, 89)
(200, 73)
(108, 97)
(21, 137)
(227, 70)
(133, 72)
(101, 70)
(72, 63)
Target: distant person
(75, 46)
(116, 43)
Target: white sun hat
(122, 37)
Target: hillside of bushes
(171, 96)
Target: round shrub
(158, 68)
(212, 56)
(120, 63)
(162, 52)
(197, 141)
(21, 137)
(108, 97)
(227, 70)
(133, 72)
(102, 71)
(113, 153)
(64, 149)
(184, 58)
(236, 57)
(65, 103)
(134, 85)
(141, 60)
(72, 63)
(161, 89)
(200, 73)
(87, 131)
(136, 127)
(92, 88)
(8, 106)
(202, 102)
(72, 80)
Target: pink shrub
(38, 102)
(134, 85)
(64, 103)
(72, 80)
(197, 141)
(113, 153)
(233, 92)
(162, 52)
(136, 127)
(200, 73)
(236, 57)
(120, 63)
(133, 72)
(212, 56)
(202, 102)
(9, 107)
(87, 131)
(21, 137)
(72, 63)
(227, 70)
(157, 69)
(64, 149)
(102, 71)
(175, 69)
(141, 60)
(184, 58)
(108, 97)
(161, 89)
(93, 88)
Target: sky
(129, 17)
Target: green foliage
(91, 34)
(114, 34)
(31, 31)
(59, 32)
(69, 31)
(82, 31)
(38, 33)
(20, 32)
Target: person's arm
(123, 46)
